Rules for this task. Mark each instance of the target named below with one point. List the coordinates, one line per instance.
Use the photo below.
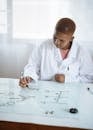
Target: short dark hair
(65, 25)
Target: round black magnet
(73, 110)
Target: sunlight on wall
(31, 19)
(37, 18)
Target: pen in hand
(22, 75)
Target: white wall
(37, 18)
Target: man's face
(63, 41)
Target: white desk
(46, 103)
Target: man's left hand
(60, 78)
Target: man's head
(64, 31)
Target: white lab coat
(46, 61)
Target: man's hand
(23, 82)
(60, 78)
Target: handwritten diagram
(49, 99)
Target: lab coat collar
(74, 50)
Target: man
(60, 59)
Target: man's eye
(61, 41)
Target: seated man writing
(60, 59)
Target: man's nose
(57, 41)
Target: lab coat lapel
(71, 56)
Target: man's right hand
(23, 82)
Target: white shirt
(46, 61)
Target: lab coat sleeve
(33, 66)
(85, 73)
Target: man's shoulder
(83, 50)
(78, 46)
(48, 43)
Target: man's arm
(85, 73)
(31, 70)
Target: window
(37, 18)
(31, 19)
(3, 16)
